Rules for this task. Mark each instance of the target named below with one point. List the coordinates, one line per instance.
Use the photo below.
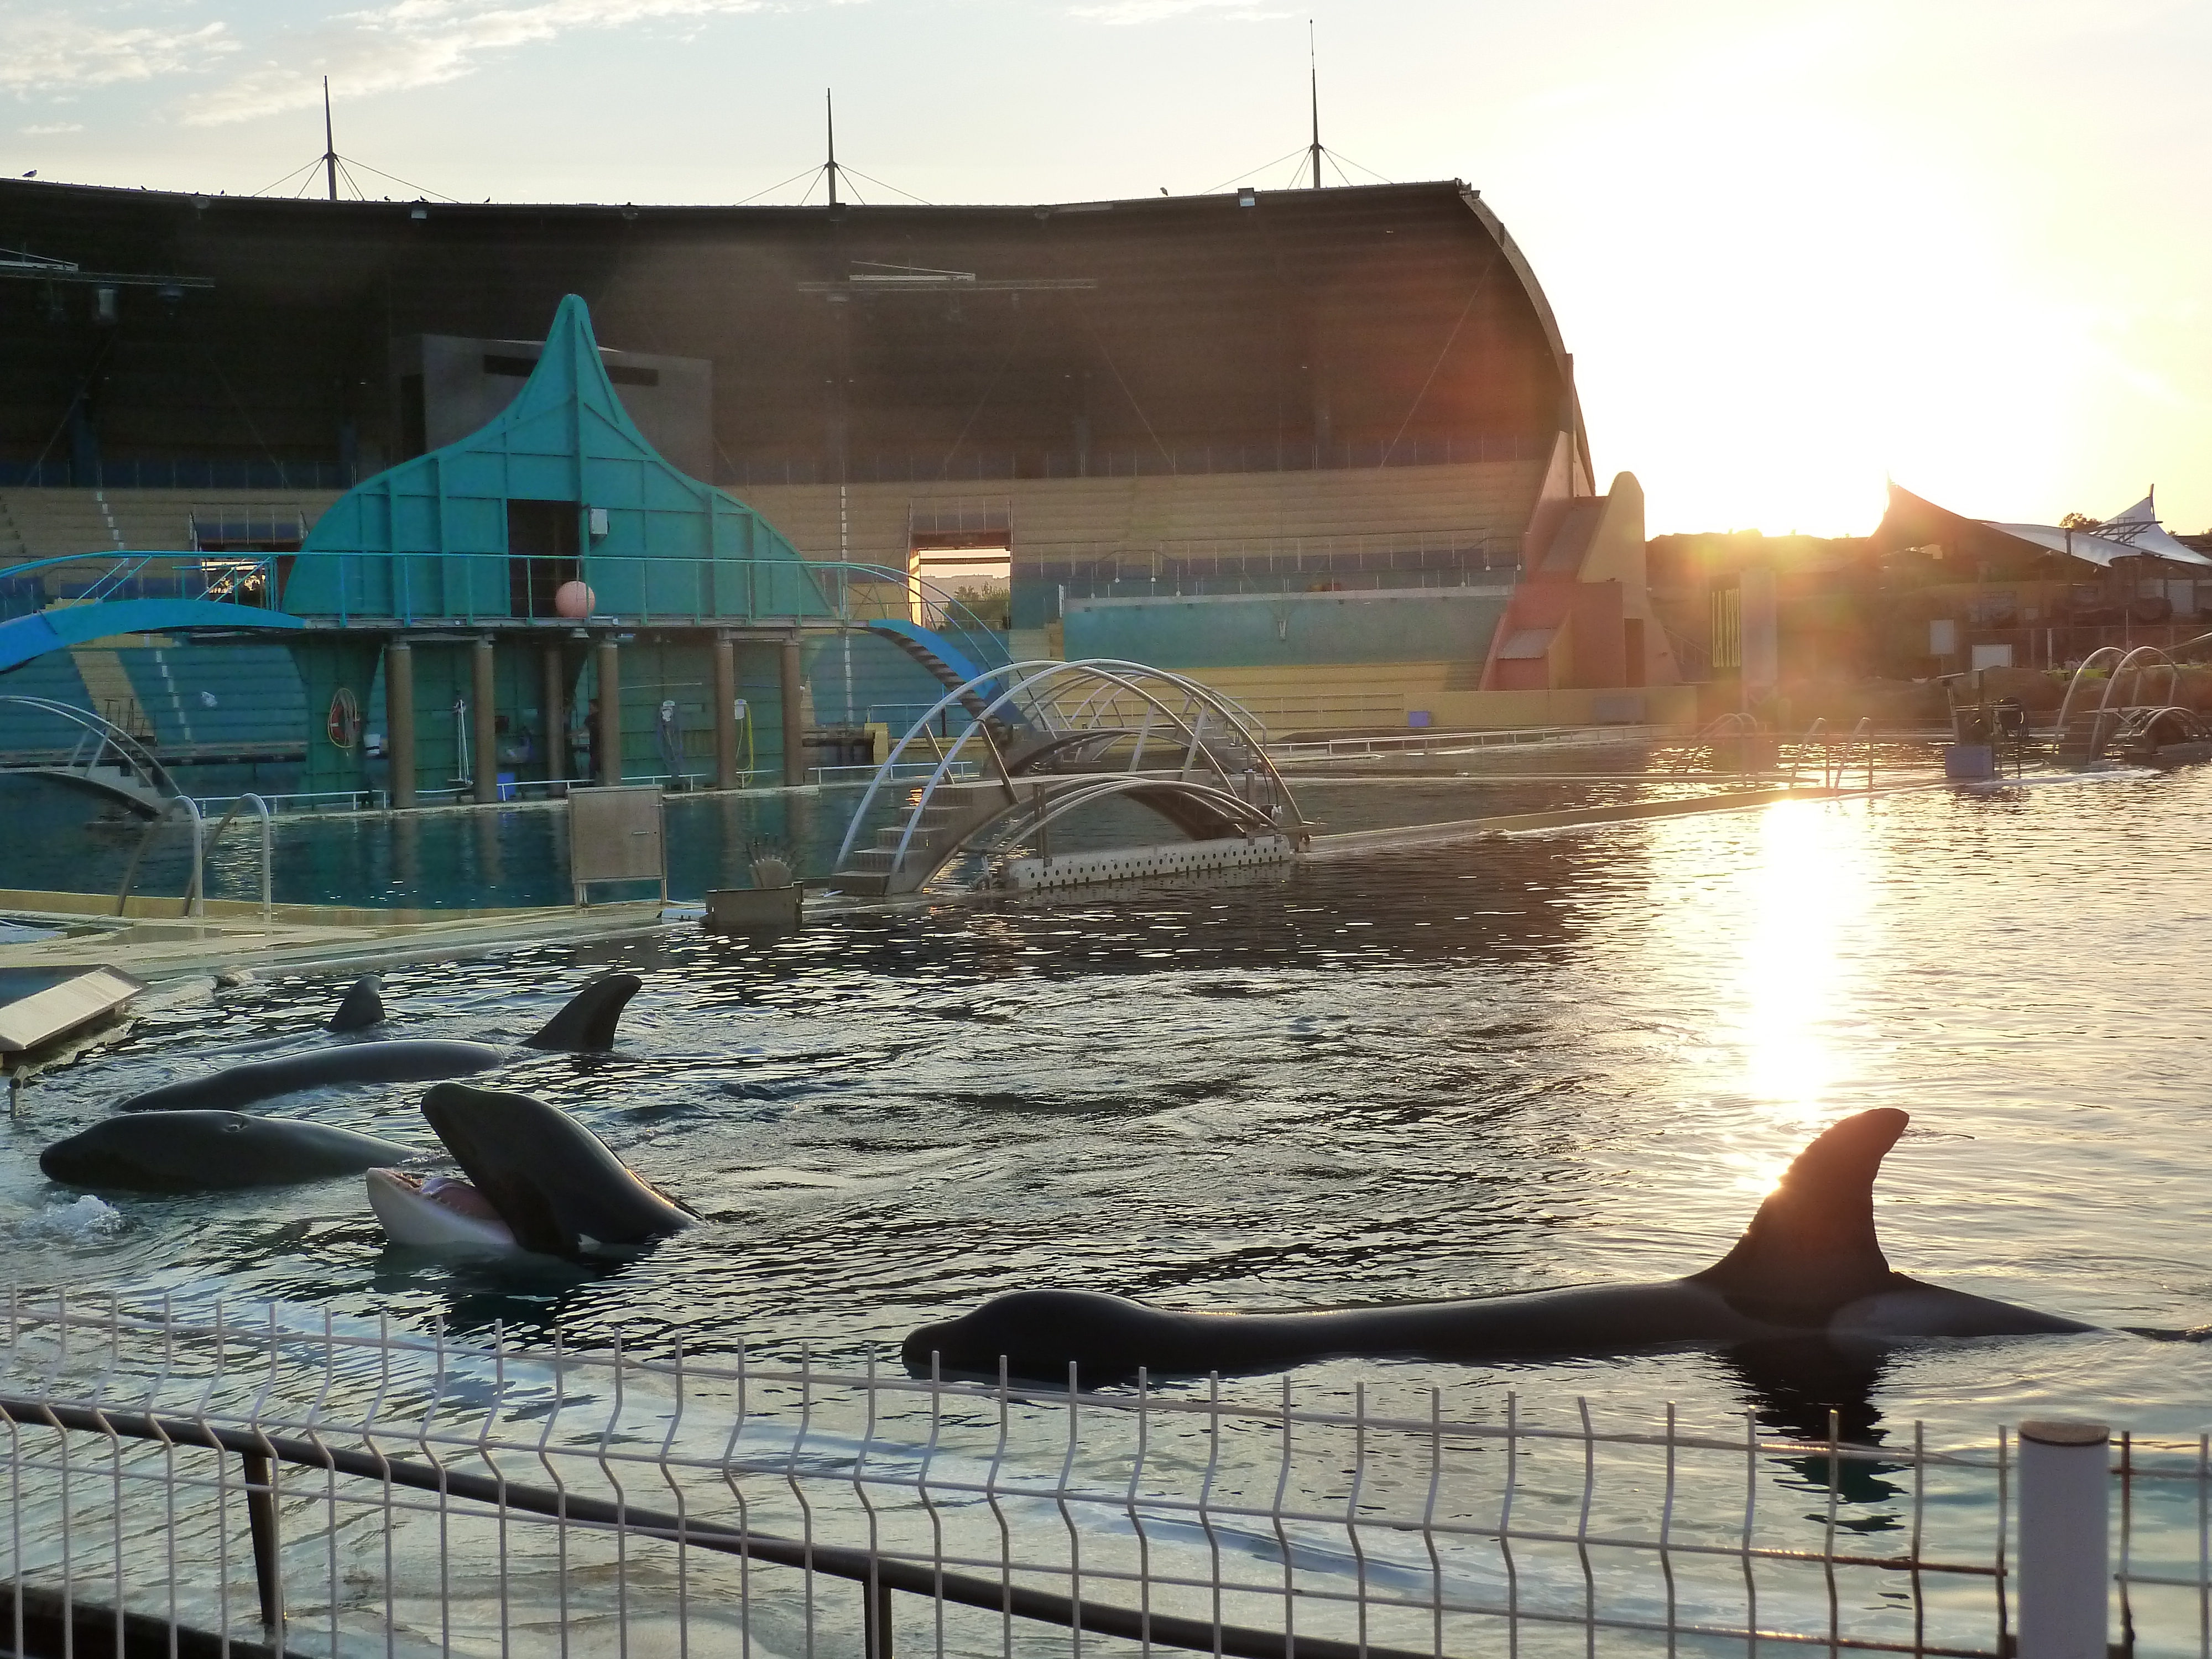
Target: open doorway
(542, 544)
(978, 577)
(961, 550)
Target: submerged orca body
(537, 1181)
(209, 1151)
(587, 1021)
(1809, 1265)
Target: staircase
(952, 670)
(106, 759)
(112, 695)
(954, 812)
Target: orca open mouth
(532, 1179)
(435, 1211)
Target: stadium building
(1319, 448)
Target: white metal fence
(180, 1483)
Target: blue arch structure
(23, 638)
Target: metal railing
(1834, 751)
(326, 1488)
(106, 574)
(474, 589)
(102, 743)
(1441, 741)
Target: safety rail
(1430, 741)
(109, 573)
(100, 737)
(1836, 750)
(1739, 733)
(474, 590)
(399, 1488)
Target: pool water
(1554, 1060)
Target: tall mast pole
(1313, 73)
(829, 109)
(330, 145)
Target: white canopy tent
(2132, 534)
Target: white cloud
(51, 129)
(423, 43)
(41, 54)
(1154, 11)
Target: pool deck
(151, 941)
(232, 937)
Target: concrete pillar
(483, 720)
(399, 720)
(792, 685)
(726, 714)
(2065, 1567)
(555, 697)
(606, 742)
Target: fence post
(876, 1620)
(261, 1518)
(2064, 1571)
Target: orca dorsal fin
(1812, 1247)
(362, 1007)
(587, 1021)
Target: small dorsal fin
(587, 1021)
(1812, 1247)
(364, 1007)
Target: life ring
(343, 724)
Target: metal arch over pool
(1064, 735)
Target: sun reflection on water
(1785, 940)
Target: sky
(1796, 249)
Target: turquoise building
(549, 599)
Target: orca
(586, 1022)
(1810, 1264)
(535, 1181)
(198, 1152)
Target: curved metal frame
(111, 736)
(268, 842)
(196, 890)
(1022, 683)
(2140, 661)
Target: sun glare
(1781, 935)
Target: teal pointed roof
(426, 542)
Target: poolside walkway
(153, 941)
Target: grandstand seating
(26, 733)
(1061, 519)
(48, 524)
(226, 699)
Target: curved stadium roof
(1198, 331)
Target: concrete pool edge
(307, 939)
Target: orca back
(1812, 1248)
(364, 1007)
(587, 1021)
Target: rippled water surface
(1509, 1063)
